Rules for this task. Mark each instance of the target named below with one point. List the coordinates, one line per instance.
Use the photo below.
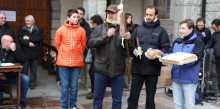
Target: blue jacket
(188, 73)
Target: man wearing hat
(109, 63)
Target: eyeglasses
(3, 17)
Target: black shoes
(90, 95)
(23, 104)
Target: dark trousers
(91, 74)
(32, 63)
(217, 63)
(136, 86)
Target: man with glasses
(109, 62)
(5, 27)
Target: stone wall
(184, 9)
(212, 11)
(55, 18)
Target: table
(15, 68)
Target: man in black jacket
(215, 44)
(145, 70)
(30, 37)
(5, 27)
(202, 32)
(9, 53)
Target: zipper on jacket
(71, 45)
(61, 54)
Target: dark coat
(7, 29)
(215, 44)
(86, 26)
(12, 57)
(36, 36)
(204, 34)
(151, 35)
(110, 55)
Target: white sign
(10, 15)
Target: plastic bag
(88, 58)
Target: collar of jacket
(4, 26)
(83, 22)
(152, 24)
(26, 28)
(188, 39)
(66, 23)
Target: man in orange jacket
(70, 42)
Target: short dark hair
(200, 20)
(189, 23)
(216, 22)
(153, 7)
(71, 11)
(97, 19)
(82, 9)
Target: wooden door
(40, 9)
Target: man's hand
(2, 76)
(26, 37)
(12, 46)
(111, 32)
(127, 35)
(31, 44)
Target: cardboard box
(165, 76)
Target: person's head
(96, 20)
(29, 21)
(200, 23)
(216, 25)
(112, 11)
(128, 18)
(186, 27)
(73, 16)
(81, 12)
(6, 41)
(151, 13)
(2, 18)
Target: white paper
(10, 15)
(7, 64)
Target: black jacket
(215, 44)
(151, 35)
(86, 26)
(12, 57)
(110, 55)
(7, 29)
(36, 36)
(204, 34)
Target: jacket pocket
(101, 65)
(120, 65)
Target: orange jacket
(70, 42)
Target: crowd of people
(109, 56)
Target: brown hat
(112, 8)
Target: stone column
(55, 18)
(212, 12)
(93, 7)
(184, 9)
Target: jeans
(101, 82)
(136, 86)
(24, 85)
(184, 93)
(33, 70)
(217, 63)
(69, 85)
